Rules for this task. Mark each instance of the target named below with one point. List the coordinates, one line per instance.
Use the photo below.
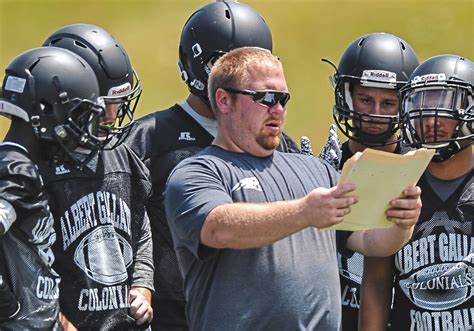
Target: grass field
(304, 31)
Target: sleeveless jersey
(104, 241)
(25, 249)
(434, 281)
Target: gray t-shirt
(292, 284)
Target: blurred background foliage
(304, 31)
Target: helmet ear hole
(45, 107)
(182, 72)
(79, 44)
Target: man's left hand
(405, 210)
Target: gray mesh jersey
(288, 285)
(434, 272)
(104, 239)
(162, 140)
(25, 249)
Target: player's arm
(9, 305)
(142, 275)
(404, 212)
(376, 293)
(65, 323)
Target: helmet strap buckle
(35, 121)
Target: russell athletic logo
(61, 170)
(186, 136)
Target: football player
(104, 249)
(433, 274)
(371, 71)
(51, 96)
(164, 138)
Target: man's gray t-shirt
(289, 285)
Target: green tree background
(304, 31)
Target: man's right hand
(325, 207)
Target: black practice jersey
(104, 240)
(163, 139)
(25, 249)
(351, 268)
(434, 272)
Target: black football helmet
(58, 94)
(440, 87)
(118, 81)
(212, 31)
(377, 60)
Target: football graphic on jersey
(442, 286)
(351, 268)
(104, 255)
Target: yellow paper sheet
(380, 177)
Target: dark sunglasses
(267, 98)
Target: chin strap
(445, 153)
(204, 99)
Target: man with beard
(246, 218)
(164, 138)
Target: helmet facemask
(76, 133)
(351, 121)
(124, 99)
(438, 102)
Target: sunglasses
(267, 98)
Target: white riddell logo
(247, 183)
(61, 170)
(185, 136)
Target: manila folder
(379, 177)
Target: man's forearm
(249, 225)
(379, 242)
